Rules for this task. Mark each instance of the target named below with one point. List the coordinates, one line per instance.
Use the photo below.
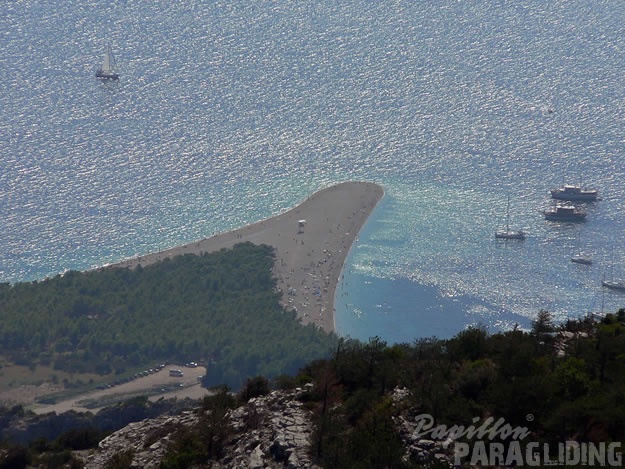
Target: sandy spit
(311, 241)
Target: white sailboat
(613, 284)
(508, 233)
(107, 71)
(581, 257)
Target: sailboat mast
(508, 216)
(111, 57)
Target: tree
(254, 387)
(543, 325)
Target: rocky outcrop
(271, 431)
(281, 437)
(420, 450)
(147, 440)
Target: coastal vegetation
(219, 309)
(559, 382)
(556, 382)
(552, 384)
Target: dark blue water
(228, 112)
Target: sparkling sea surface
(229, 112)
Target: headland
(311, 242)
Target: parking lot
(155, 383)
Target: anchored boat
(582, 258)
(508, 233)
(564, 212)
(614, 284)
(107, 71)
(575, 193)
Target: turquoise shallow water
(227, 113)
(398, 308)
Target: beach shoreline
(311, 242)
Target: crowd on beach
(308, 288)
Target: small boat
(564, 212)
(582, 258)
(508, 233)
(614, 284)
(107, 71)
(574, 193)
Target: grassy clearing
(13, 376)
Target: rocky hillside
(272, 431)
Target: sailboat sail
(106, 64)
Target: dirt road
(156, 385)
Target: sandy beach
(311, 242)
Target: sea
(228, 112)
